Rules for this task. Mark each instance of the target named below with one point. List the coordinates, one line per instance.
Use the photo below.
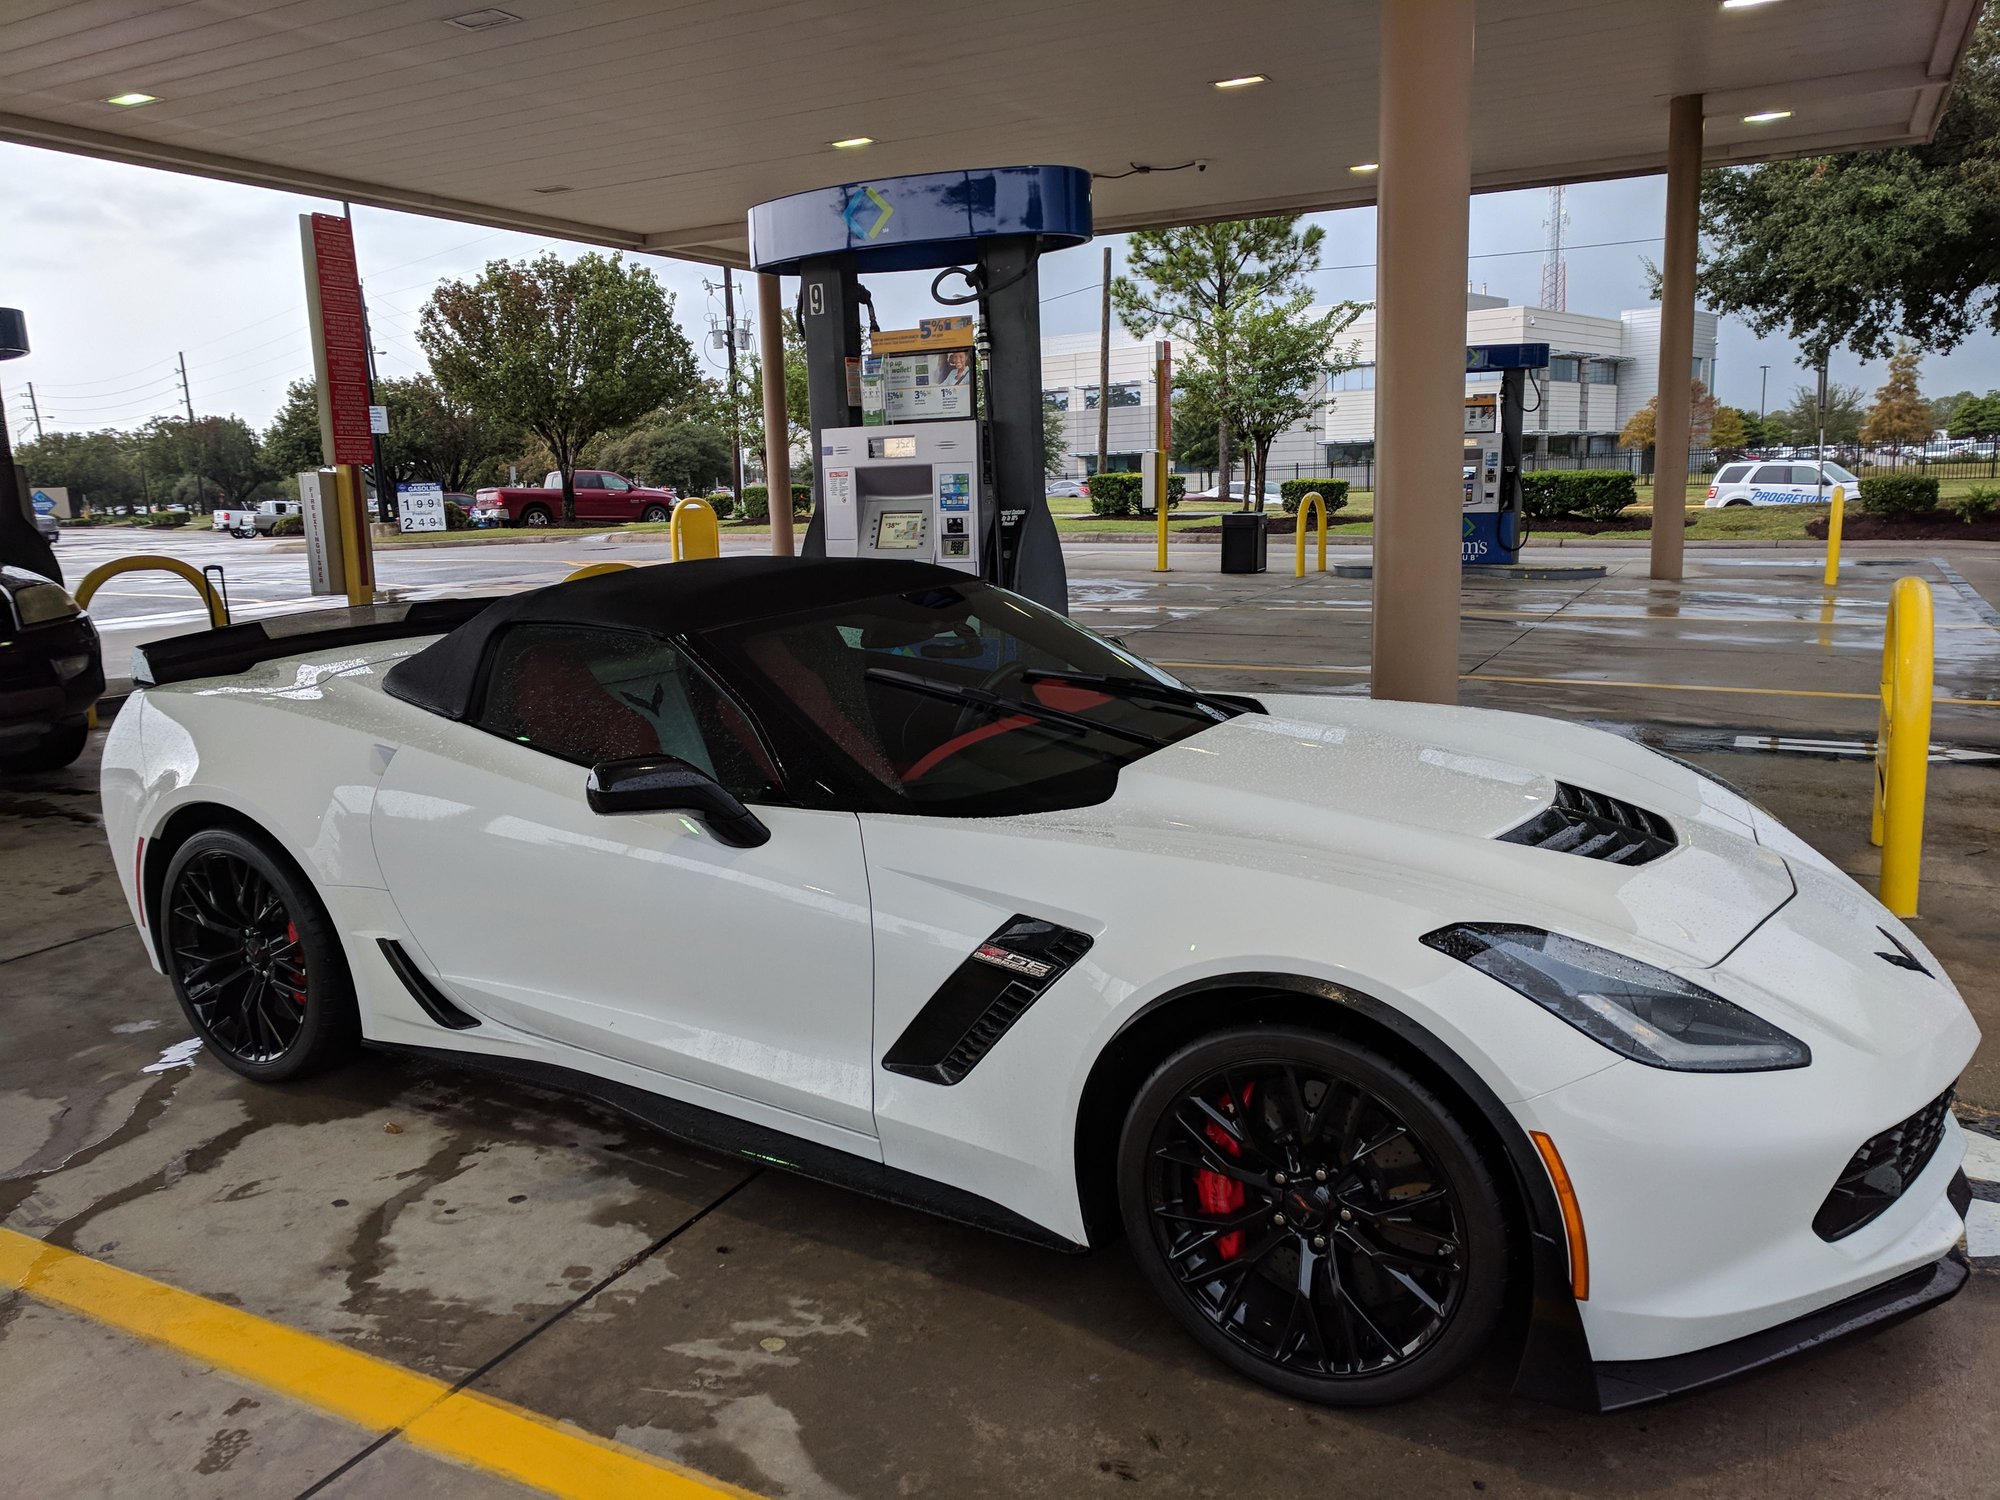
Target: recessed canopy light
(1248, 80)
(1744, 4)
(1366, 166)
(130, 101)
(851, 142)
(482, 20)
(1767, 117)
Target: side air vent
(1595, 826)
(434, 1002)
(986, 994)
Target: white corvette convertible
(1381, 1030)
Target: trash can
(1245, 543)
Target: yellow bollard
(1160, 504)
(146, 562)
(693, 532)
(591, 570)
(1903, 744)
(1833, 535)
(1316, 507)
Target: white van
(1769, 483)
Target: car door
(638, 937)
(591, 501)
(1771, 485)
(617, 498)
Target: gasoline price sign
(420, 507)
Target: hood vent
(1595, 826)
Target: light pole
(1763, 380)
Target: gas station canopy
(653, 127)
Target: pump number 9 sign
(420, 507)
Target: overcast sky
(121, 269)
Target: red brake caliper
(1220, 1195)
(292, 936)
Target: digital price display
(893, 447)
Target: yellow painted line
(373, 1394)
(1607, 682)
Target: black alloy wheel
(655, 513)
(254, 960)
(535, 515)
(1314, 1215)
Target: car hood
(1420, 793)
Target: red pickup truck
(600, 496)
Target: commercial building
(1601, 370)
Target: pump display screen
(899, 530)
(893, 447)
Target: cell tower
(1555, 271)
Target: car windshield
(1839, 475)
(967, 701)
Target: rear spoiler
(238, 648)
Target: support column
(1424, 207)
(1670, 428)
(777, 425)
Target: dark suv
(51, 672)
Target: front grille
(1881, 1169)
(1595, 826)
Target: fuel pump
(928, 442)
(1494, 524)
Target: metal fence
(1702, 464)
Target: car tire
(1402, 1246)
(654, 513)
(254, 959)
(1731, 504)
(58, 748)
(243, 533)
(536, 515)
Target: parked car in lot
(601, 496)
(1236, 492)
(51, 671)
(870, 871)
(1745, 483)
(1066, 489)
(258, 520)
(49, 527)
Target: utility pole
(187, 404)
(35, 407)
(1763, 382)
(1104, 370)
(735, 409)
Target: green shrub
(722, 503)
(1976, 504)
(295, 525)
(1332, 493)
(165, 520)
(455, 518)
(1119, 494)
(757, 500)
(1589, 494)
(1899, 494)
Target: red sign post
(340, 360)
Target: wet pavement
(799, 1341)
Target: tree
(691, 453)
(750, 393)
(436, 437)
(1640, 431)
(1282, 359)
(1843, 414)
(95, 467)
(1729, 433)
(291, 442)
(1859, 248)
(1977, 418)
(1900, 417)
(1944, 407)
(218, 452)
(1055, 436)
(565, 349)
(1193, 282)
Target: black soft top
(677, 599)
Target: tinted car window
(588, 695)
(941, 700)
(1804, 474)
(1732, 473)
(587, 482)
(1773, 474)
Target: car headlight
(1638, 1011)
(38, 603)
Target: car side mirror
(666, 783)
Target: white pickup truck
(248, 523)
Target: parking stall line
(426, 1413)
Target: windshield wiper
(1146, 687)
(980, 697)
